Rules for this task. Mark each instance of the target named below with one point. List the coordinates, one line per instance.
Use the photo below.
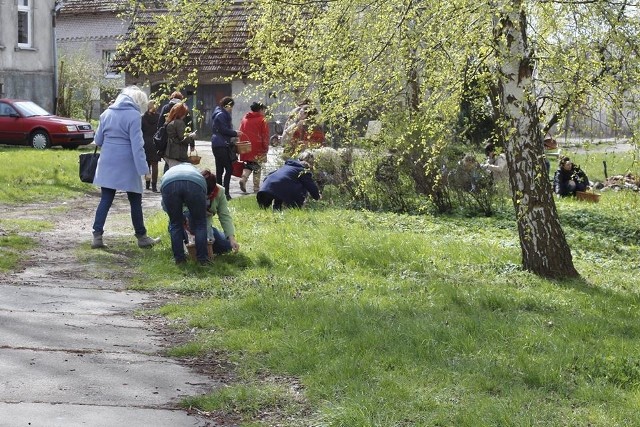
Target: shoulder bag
(88, 165)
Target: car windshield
(30, 109)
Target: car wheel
(40, 140)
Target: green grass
(11, 250)
(396, 320)
(346, 318)
(591, 161)
(12, 244)
(16, 225)
(29, 175)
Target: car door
(11, 126)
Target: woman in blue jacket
(122, 162)
(221, 142)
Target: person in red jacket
(254, 129)
(302, 132)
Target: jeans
(106, 200)
(569, 188)
(224, 159)
(181, 193)
(221, 244)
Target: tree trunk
(545, 251)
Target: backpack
(160, 139)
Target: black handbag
(88, 165)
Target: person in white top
(496, 164)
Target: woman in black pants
(221, 142)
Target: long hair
(178, 111)
(212, 183)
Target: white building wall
(28, 72)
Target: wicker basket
(243, 147)
(194, 159)
(191, 248)
(587, 196)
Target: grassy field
(591, 161)
(354, 318)
(30, 175)
(392, 320)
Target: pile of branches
(620, 182)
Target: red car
(26, 123)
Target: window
(107, 57)
(6, 110)
(24, 24)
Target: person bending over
(289, 185)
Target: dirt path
(72, 353)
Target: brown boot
(243, 179)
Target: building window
(24, 24)
(107, 57)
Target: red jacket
(255, 130)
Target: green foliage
(80, 74)
(391, 319)
(377, 182)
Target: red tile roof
(224, 58)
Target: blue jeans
(221, 244)
(181, 193)
(106, 200)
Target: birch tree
(544, 248)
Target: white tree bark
(544, 247)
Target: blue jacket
(122, 160)
(184, 172)
(222, 128)
(291, 183)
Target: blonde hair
(138, 96)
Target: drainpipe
(54, 43)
